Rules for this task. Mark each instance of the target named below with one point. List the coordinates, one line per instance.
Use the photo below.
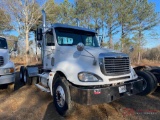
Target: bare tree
(24, 14)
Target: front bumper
(99, 95)
(6, 79)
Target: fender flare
(52, 77)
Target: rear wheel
(154, 79)
(149, 83)
(24, 77)
(61, 96)
(27, 79)
(21, 74)
(156, 72)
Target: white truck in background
(7, 68)
(75, 68)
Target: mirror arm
(94, 61)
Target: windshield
(3, 43)
(69, 37)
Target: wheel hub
(60, 96)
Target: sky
(150, 41)
(156, 42)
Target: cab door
(49, 51)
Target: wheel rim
(60, 96)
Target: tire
(155, 80)
(149, 82)
(24, 77)
(61, 97)
(21, 74)
(156, 72)
(28, 80)
(11, 87)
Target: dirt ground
(29, 103)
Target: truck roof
(59, 25)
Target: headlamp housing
(89, 77)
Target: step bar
(42, 88)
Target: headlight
(88, 77)
(8, 70)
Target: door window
(49, 39)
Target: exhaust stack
(44, 18)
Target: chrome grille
(1, 61)
(116, 66)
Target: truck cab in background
(7, 68)
(76, 69)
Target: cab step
(42, 88)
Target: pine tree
(125, 10)
(4, 21)
(146, 19)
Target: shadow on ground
(29, 103)
(128, 108)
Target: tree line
(127, 20)
(152, 54)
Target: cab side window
(49, 39)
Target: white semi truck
(75, 68)
(7, 68)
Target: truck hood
(96, 51)
(91, 51)
(5, 54)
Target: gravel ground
(29, 103)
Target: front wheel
(61, 96)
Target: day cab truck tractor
(76, 69)
(7, 68)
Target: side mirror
(39, 34)
(131, 49)
(80, 46)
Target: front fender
(50, 82)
